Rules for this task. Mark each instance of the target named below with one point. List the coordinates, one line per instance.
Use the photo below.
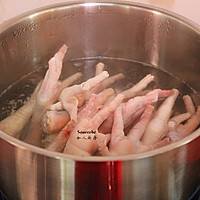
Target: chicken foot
(47, 95)
(94, 104)
(74, 96)
(157, 127)
(132, 108)
(131, 143)
(177, 130)
(83, 139)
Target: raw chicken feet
(120, 144)
(83, 139)
(177, 130)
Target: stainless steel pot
(119, 30)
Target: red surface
(98, 181)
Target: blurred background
(187, 8)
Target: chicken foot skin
(133, 105)
(105, 83)
(157, 127)
(121, 144)
(94, 104)
(138, 87)
(74, 96)
(47, 94)
(90, 123)
(99, 68)
(177, 130)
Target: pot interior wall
(119, 31)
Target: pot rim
(28, 147)
(31, 13)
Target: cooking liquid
(17, 93)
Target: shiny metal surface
(129, 31)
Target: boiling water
(16, 94)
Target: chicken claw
(130, 144)
(157, 128)
(177, 130)
(83, 139)
(137, 88)
(94, 104)
(133, 107)
(105, 83)
(190, 108)
(60, 141)
(74, 96)
(47, 95)
(99, 68)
